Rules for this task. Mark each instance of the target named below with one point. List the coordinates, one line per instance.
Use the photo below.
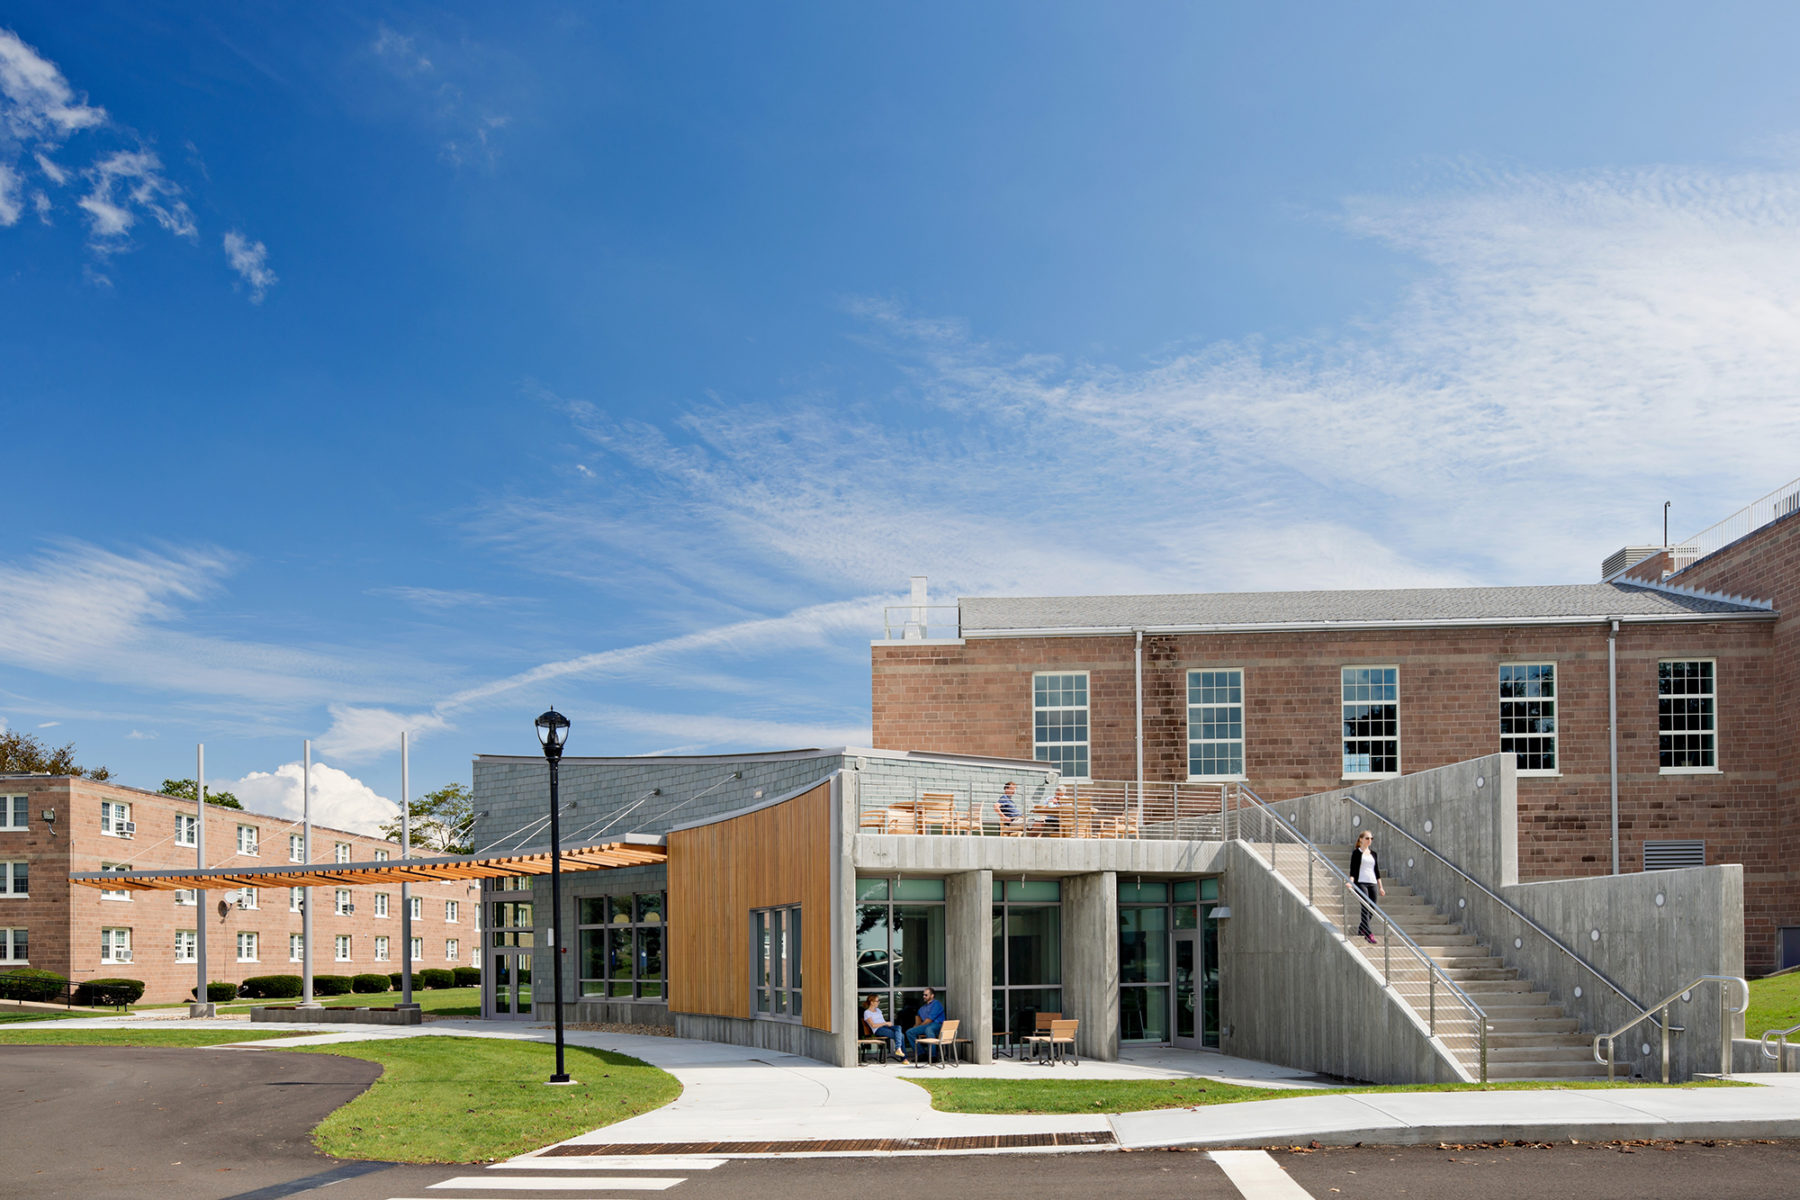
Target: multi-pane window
(1215, 724)
(341, 947)
(296, 946)
(296, 847)
(1027, 924)
(341, 852)
(13, 811)
(621, 943)
(247, 839)
(381, 904)
(1686, 715)
(187, 945)
(451, 949)
(381, 856)
(187, 827)
(450, 911)
(340, 903)
(296, 899)
(900, 942)
(115, 819)
(417, 950)
(1059, 718)
(381, 949)
(246, 946)
(775, 966)
(1528, 715)
(1371, 711)
(115, 945)
(115, 893)
(15, 878)
(418, 909)
(13, 946)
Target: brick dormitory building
(55, 826)
(1669, 693)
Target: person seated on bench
(931, 1021)
(876, 1025)
(1007, 806)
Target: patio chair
(1038, 1040)
(1062, 1043)
(946, 1039)
(937, 809)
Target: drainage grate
(997, 1141)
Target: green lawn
(9, 1015)
(1774, 1004)
(142, 1037)
(449, 1099)
(437, 1002)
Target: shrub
(394, 982)
(31, 983)
(331, 985)
(98, 993)
(467, 976)
(364, 984)
(435, 977)
(217, 991)
(269, 987)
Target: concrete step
(1539, 1053)
(1534, 1041)
(1502, 987)
(1547, 1071)
(1464, 976)
(1503, 1026)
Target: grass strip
(1774, 1004)
(8, 1016)
(1141, 1095)
(140, 1037)
(452, 1099)
(433, 1002)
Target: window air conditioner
(243, 900)
(121, 956)
(127, 828)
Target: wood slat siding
(718, 873)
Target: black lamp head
(553, 731)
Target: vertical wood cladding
(718, 873)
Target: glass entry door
(1188, 1000)
(511, 983)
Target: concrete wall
(1292, 992)
(969, 958)
(876, 853)
(1090, 949)
(783, 1037)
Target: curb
(1776, 1129)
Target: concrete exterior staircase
(1528, 1038)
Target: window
(775, 965)
(450, 911)
(246, 898)
(381, 856)
(341, 947)
(341, 851)
(14, 877)
(246, 946)
(115, 819)
(381, 949)
(381, 904)
(418, 949)
(247, 839)
(115, 893)
(187, 897)
(296, 847)
(13, 944)
(1215, 724)
(296, 899)
(621, 944)
(340, 902)
(1059, 713)
(418, 909)
(1686, 719)
(1528, 715)
(899, 942)
(1371, 708)
(115, 945)
(187, 829)
(187, 943)
(13, 810)
(296, 947)
(450, 949)
(1027, 927)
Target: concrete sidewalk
(737, 1094)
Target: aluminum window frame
(1083, 746)
(1665, 732)
(637, 983)
(1553, 700)
(774, 966)
(1346, 739)
(1240, 741)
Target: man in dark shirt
(930, 1022)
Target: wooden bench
(863, 1045)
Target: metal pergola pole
(306, 899)
(201, 1008)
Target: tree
(441, 821)
(184, 789)
(23, 754)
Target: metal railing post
(1725, 1034)
(1665, 1042)
(1484, 1032)
(1387, 943)
(1432, 976)
(1310, 860)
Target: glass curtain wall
(1160, 998)
(621, 944)
(899, 943)
(1027, 954)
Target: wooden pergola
(635, 850)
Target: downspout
(1140, 729)
(1612, 731)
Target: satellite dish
(224, 907)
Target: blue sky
(371, 367)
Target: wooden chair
(937, 809)
(946, 1038)
(1038, 1039)
(1062, 1042)
(886, 820)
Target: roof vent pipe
(915, 625)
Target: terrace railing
(1747, 520)
(969, 806)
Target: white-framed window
(340, 902)
(1059, 721)
(115, 945)
(450, 911)
(13, 946)
(296, 899)
(296, 947)
(418, 909)
(247, 839)
(451, 950)
(381, 948)
(381, 904)
(115, 893)
(246, 898)
(15, 877)
(1215, 709)
(296, 847)
(418, 949)
(1528, 716)
(340, 852)
(246, 946)
(186, 897)
(775, 965)
(1687, 717)
(187, 945)
(14, 810)
(340, 947)
(187, 829)
(1371, 721)
(115, 819)
(381, 856)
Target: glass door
(1186, 1033)
(510, 983)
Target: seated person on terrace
(930, 1023)
(1007, 806)
(876, 1025)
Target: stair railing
(1661, 1007)
(1256, 822)
(1777, 1051)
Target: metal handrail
(1610, 1062)
(1780, 1053)
(1434, 973)
(1483, 888)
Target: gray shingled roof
(1571, 602)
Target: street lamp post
(553, 731)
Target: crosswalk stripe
(561, 1183)
(1256, 1176)
(609, 1162)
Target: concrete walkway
(740, 1094)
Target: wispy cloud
(40, 105)
(440, 599)
(251, 261)
(125, 184)
(454, 83)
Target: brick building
(48, 923)
(1670, 684)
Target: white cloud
(339, 799)
(48, 724)
(439, 599)
(361, 733)
(54, 173)
(250, 260)
(11, 198)
(399, 52)
(125, 183)
(38, 104)
(138, 735)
